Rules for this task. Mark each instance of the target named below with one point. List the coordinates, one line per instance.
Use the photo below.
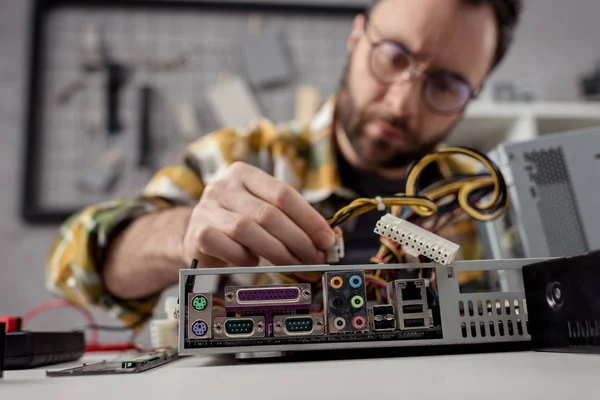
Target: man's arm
(145, 258)
(95, 248)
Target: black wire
(502, 198)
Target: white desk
(502, 376)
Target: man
(238, 197)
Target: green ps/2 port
(199, 303)
(239, 326)
(357, 302)
(299, 324)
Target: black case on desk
(563, 303)
(33, 349)
(2, 346)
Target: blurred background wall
(556, 42)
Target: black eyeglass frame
(426, 74)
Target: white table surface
(514, 375)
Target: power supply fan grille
(584, 333)
(556, 203)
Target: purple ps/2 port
(282, 294)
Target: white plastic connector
(380, 203)
(416, 240)
(337, 251)
(163, 332)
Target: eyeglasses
(443, 92)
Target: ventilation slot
(584, 333)
(516, 306)
(461, 308)
(513, 328)
(519, 327)
(511, 331)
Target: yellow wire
(378, 295)
(464, 203)
(376, 279)
(466, 189)
(369, 204)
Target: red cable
(93, 345)
(63, 303)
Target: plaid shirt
(300, 155)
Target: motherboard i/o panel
(351, 306)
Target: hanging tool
(145, 142)
(117, 75)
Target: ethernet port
(411, 290)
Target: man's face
(389, 125)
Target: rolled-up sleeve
(73, 268)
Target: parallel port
(245, 296)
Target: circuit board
(131, 365)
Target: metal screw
(278, 326)
(319, 323)
(306, 293)
(229, 296)
(218, 328)
(259, 326)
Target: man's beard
(353, 122)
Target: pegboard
(60, 146)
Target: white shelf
(486, 124)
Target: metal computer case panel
(458, 327)
(554, 184)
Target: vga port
(238, 327)
(299, 325)
(262, 295)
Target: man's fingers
(284, 197)
(275, 222)
(218, 246)
(254, 237)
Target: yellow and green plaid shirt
(301, 155)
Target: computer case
(554, 186)
(563, 303)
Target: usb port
(412, 308)
(414, 323)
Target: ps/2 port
(199, 328)
(355, 281)
(199, 303)
(358, 322)
(357, 302)
(336, 282)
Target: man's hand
(250, 214)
